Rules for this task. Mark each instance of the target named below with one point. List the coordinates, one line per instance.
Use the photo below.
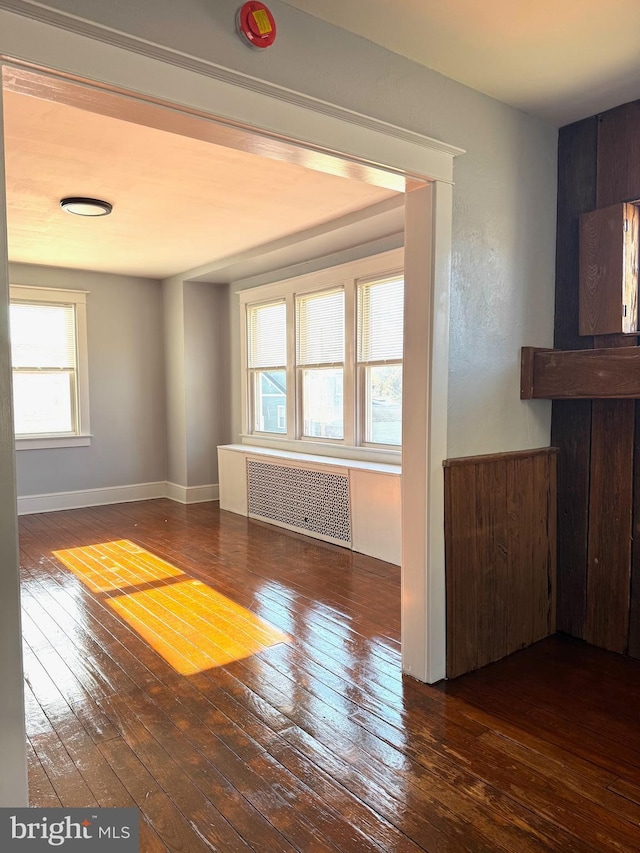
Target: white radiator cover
(348, 502)
(303, 499)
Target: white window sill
(48, 442)
(329, 451)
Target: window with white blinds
(320, 340)
(43, 336)
(323, 361)
(380, 334)
(320, 328)
(380, 318)
(267, 335)
(49, 385)
(267, 363)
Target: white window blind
(267, 335)
(43, 336)
(43, 353)
(380, 320)
(49, 353)
(320, 328)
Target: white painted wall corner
(192, 494)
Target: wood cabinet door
(609, 270)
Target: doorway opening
(428, 204)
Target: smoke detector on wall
(256, 25)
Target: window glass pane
(270, 401)
(380, 318)
(42, 403)
(267, 335)
(320, 328)
(322, 403)
(383, 397)
(43, 335)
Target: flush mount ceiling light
(86, 206)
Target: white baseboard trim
(192, 494)
(29, 504)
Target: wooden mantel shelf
(607, 374)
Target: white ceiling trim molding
(14, 46)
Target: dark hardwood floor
(316, 744)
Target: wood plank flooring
(316, 744)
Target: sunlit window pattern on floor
(195, 628)
(116, 565)
(191, 625)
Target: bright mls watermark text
(103, 830)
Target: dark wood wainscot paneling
(500, 530)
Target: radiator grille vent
(313, 501)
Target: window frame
(78, 299)
(250, 373)
(362, 408)
(300, 368)
(347, 277)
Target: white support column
(13, 778)
(424, 440)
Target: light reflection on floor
(191, 625)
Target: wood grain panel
(613, 423)
(577, 171)
(634, 610)
(618, 155)
(500, 531)
(543, 514)
(571, 420)
(610, 507)
(608, 272)
(519, 612)
(619, 177)
(462, 585)
(611, 373)
(599, 443)
(491, 523)
(571, 433)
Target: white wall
(126, 387)
(206, 369)
(503, 266)
(197, 374)
(504, 197)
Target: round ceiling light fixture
(86, 206)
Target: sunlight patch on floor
(115, 565)
(194, 627)
(191, 625)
